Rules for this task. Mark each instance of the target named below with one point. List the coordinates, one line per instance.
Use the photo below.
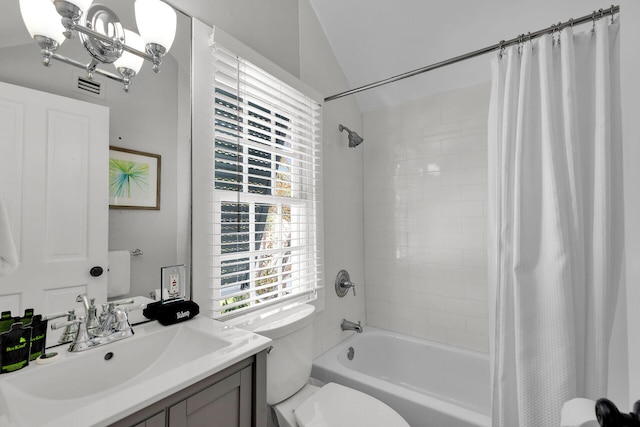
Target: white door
(54, 179)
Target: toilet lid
(336, 406)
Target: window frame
(311, 203)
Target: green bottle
(38, 336)
(5, 321)
(15, 347)
(28, 317)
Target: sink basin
(119, 363)
(104, 384)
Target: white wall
(425, 217)
(630, 70)
(343, 185)
(268, 27)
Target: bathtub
(429, 384)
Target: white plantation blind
(266, 185)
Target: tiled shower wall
(425, 186)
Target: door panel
(56, 190)
(66, 186)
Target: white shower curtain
(555, 222)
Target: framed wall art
(134, 179)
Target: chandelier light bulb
(83, 5)
(41, 19)
(129, 60)
(156, 22)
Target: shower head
(354, 138)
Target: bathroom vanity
(186, 374)
(233, 397)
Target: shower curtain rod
(501, 45)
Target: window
(265, 189)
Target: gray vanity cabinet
(233, 397)
(158, 420)
(228, 402)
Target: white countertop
(106, 402)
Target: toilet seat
(335, 405)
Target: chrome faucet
(70, 327)
(89, 311)
(113, 326)
(347, 325)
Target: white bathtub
(429, 384)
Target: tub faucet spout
(351, 326)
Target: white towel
(156, 294)
(119, 273)
(8, 254)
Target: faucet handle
(349, 284)
(343, 283)
(71, 326)
(122, 319)
(76, 326)
(92, 316)
(70, 315)
(70, 322)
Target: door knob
(96, 271)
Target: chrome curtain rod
(501, 45)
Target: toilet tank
(289, 361)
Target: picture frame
(134, 179)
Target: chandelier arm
(135, 51)
(77, 64)
(84, 30)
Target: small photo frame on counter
(134, 179)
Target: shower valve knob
(352, 286)
(348, 284)
(343, 283)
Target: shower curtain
(555, 221)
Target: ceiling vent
(91, 87)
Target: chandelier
(51, 22)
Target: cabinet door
(224, 404)
(156, 421)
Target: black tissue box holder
(172, 312)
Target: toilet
(295, 402)
(579, 412)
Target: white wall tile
(468, 340)
(425, 192)
(477, 325)
(473, 159)
(441, 132)
(474, 142)
(476, 292)
(447, 320)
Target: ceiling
(376, 39)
